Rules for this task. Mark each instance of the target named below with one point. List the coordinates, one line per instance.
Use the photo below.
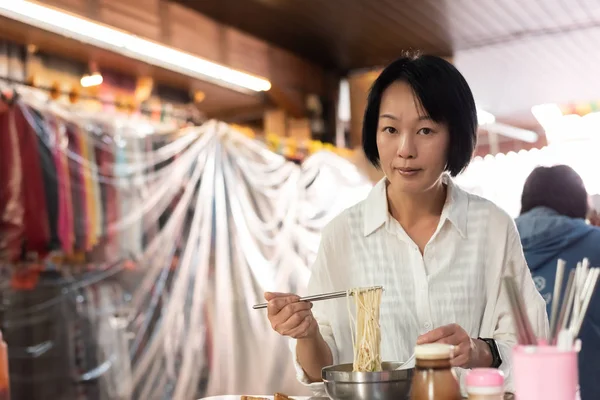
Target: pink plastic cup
(545, 373)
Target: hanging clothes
(90, 177)
(95, 188)
(78, 195)
(24, 224)
(59, 190)
(105, 160)
(12, 207)
(49, 174)
(65, 208)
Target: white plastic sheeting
(255, 227)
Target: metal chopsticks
(323, 296)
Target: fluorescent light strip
(524, 135)
(129, 45)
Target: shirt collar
(455, 209)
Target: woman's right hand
(291, 317)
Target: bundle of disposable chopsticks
(525, 333)
(566, 324)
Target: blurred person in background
(552, 225)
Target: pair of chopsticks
(525, 334)
(326, 296)
(566, 324)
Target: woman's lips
(408, 171)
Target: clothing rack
(182, 116)
(81, 203)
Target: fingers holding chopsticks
(289, 316)
(277, 301)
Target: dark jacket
(547, 236)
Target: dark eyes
(423, 131)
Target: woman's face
(412, 148)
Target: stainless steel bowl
(390, 384)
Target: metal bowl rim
(332, 374)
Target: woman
(438, 251)
(552, 226)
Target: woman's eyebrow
(390, 116)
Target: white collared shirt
(456, 280)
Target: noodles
(366, 332)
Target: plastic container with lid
(434, 378)
(485, 384)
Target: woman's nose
(406, 146)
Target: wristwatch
(496, 359)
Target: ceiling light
(199, 96)
(129, 45)
(547, 114)
(513, 132)
(91, 80)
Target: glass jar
(434, 378)
(485, 384)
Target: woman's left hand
(468, 352)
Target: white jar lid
(485, 391)
(434, 351)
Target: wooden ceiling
(347, 34)
(340, 34)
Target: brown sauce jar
(434, 378)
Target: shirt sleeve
(319, 282)
(505, 332)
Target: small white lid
(490, 390)
(434, 351)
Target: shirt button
(428, 325)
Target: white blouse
(456, 280)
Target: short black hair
(559, 188)
(445, 96)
